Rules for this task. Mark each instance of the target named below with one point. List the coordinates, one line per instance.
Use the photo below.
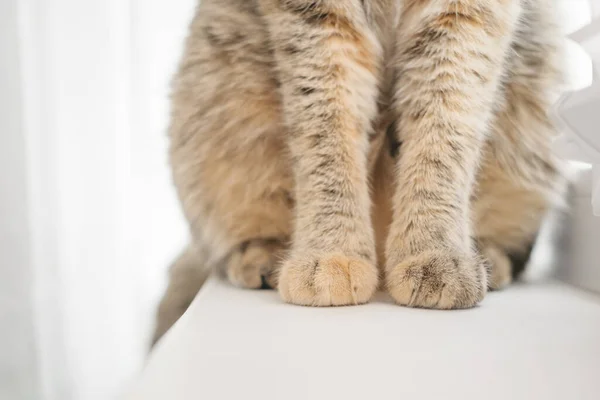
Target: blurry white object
(580, 113)
(581, 253)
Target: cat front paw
(437, 280)
(327, 280)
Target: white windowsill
(535, 341)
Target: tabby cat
(329, 148)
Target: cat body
(327, 148)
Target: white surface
(538, 341)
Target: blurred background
(89, 221)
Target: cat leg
(520, 178)
(228, 157)
(503, 267)
(450, 58)
(239, 204)
(508, 212)
(228, 154)
(328, 62)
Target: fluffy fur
(330, 147)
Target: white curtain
(102, 221)
(89, 218)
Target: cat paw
(329, 280)
(255, 264)
(437, 280)
(499, 266)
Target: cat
(329, 148)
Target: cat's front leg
(328, 63)
(450, 59)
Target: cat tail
(187, 274)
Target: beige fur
(282, 162)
